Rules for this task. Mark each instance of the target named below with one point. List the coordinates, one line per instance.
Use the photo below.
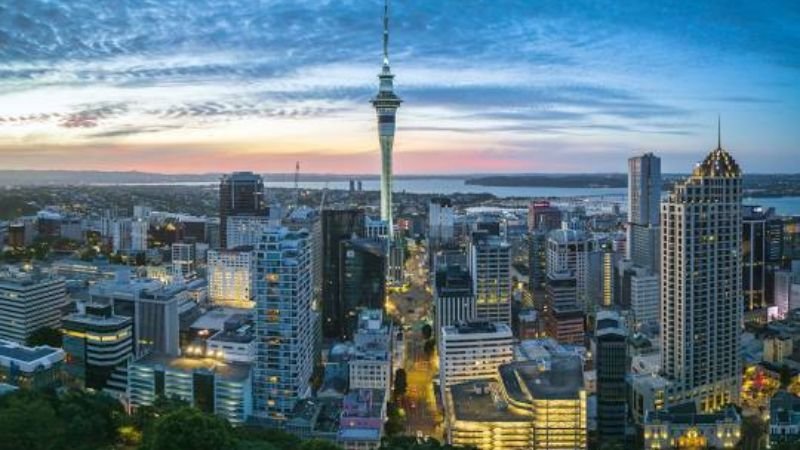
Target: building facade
(284, 322)
(231, 274)
(490, 267)
(29, 301)
(240, 193)
(474, 350)
(701, 285)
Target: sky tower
(386, 104)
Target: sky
(493, 86)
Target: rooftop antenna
(386, 32)
(719, 132)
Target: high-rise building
(454, 301)
(645, 294)
(29, 301)
(543, 217)
(644, 195)
(337, 225)
(473, 351)
(184, 259)
(240, 194)
(754, 262)
(370, 367)
(362, 280)
(490, 267)
(245, 230)
(701, 285)
(99, 346)
(568, 252)
(441, 221)
(537, 262)
(284, 322)
(130, 235)
(386, 103)
(611, 362)
(231, 274)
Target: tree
(259, 438)
(395, 423)
(91, 420)
(45, 336)
(317, 444)
(430, 345)
(189, 428)
(28, 420)
(400, 382)
(427, 331)
(785, 376)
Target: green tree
(45, 336)
(188, 428)
(29, 421)
(427, 331)
(785, 376)
(429, 346)
(90, 419)
(259, 438)
(400, 382)
(317, 444)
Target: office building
(568, 253)
(645, 296)
(154, 307)
(370, 367)
(129, 235)
(208, 384)
(543, 217)
(395, 272)
(30, 367)
(337, 225)
(490, 267)
(754, 263)
(99, 346)
(362, 280)
(245, 231)
(231, 274)
(29, 301)
(362, 420)
(644, 196)
(184, 259)
(526, 405)
(386, 103)
(284, 322)
(701, 286)
(454, 301)
(611, 363)
(473, 351)
(601, 282)
(537, 263)
(240, 194)
(441, 221)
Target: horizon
(175, 89)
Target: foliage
(400, 382)
(410, 443)
(45, 336)
(395, 423)
(29, 421)
(90, 419)
(190, 428)
(427, 331)
(430, 346)
(316, 444)
(259, 438)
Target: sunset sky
(488, 86)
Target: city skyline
(229, 86)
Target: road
(414, 308)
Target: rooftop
(228, 371)
(480, 401)
(28, 357)
(476, 328)
(562, 380)
(687, 414)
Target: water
(447, 186)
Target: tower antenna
(719, 131)
(386, 32)
(297, 185)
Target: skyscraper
(337, 225)
(701, 284)
(490, 266)
(754, 263)
(240, 193)
(386, 103)
(284, 322)
(612, 367)
(644, 195)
